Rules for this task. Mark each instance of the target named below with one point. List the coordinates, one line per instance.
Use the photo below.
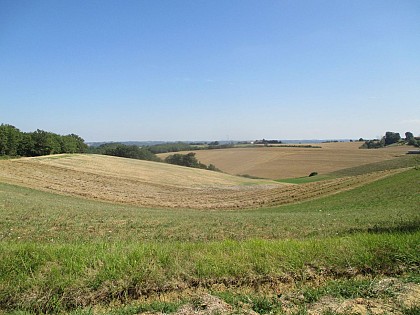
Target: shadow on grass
(402, 227)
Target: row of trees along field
(126, 151)
(14, 142)
(182, 146)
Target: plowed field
(154, 184)
(281, 162)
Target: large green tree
(45, 143)
(26, 145)
(392, 137)
(409, 135)
(72, 144)
(10, 137)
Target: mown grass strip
(52, 278)
(404, 161)
(306, 179)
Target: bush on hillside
(188, 160)
(373, 144)
(411, 140)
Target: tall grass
(51, 277)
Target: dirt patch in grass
(205, 304)
(398, 297)
(404, 296)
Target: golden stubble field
(282, 162)
(161, 185)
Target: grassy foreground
(63, 254)
(52, 278)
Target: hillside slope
(66, 255)
(288, 162)
(160, 185)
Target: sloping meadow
(61, 253)
(159, 185)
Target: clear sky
(211, 70)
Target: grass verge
(53, 278)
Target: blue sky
(211, 70)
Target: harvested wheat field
(155, 184)
(288, 162)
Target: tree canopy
(13, 142)
(126, 151)
(391, 138)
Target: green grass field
(402, 162)
(71, 255)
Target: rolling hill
(288, 162)
(92, 234)
(161, 185)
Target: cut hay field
(288, 162)
(153, 184)
(89, 234)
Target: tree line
(266, 142)
(182, 146)
(172, 147)
(14, 142)
(146, 153)
(391, 138)
(126, 151)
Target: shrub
(188, 160)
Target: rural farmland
(94, 234)
(291, 162)
(154, 184)
(179, 157)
